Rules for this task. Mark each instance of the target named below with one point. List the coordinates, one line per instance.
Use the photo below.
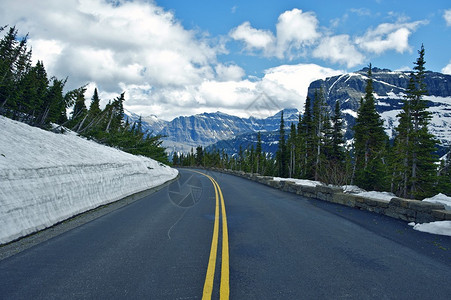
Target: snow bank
(46, 177)
(352, 189)
(438, 227)
(440, 199)
(299, 181)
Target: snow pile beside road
(441, 199)
(438, 227)
(46, 178)
(352, 189)
(299, 181)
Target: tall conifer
(282, 161)
(369, 143)
(414, 171)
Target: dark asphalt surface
(281, 246)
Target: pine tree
(306, 140)
(327, 138)
(291, 148)
(369, 143)
(414, 173)
(199, 156)
(80, 111)
(258, 153)
(55, 110)
(240, 158)
(320, 133)
(282, 161)
(94, 108)
(338, 152)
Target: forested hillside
(29, 95)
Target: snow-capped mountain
(389, 88)
(152, 124)
(186, 132)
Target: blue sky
(352, 18)
(178, 57)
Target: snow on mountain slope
(389, 90)
(186, 132)
(46, 178)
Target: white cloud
(96, 41)
(361, 11)
(288, 84)
(254, 39)
(164, 69)
(295, 29)
(388, 36)
(227, 94)
(447, 17)
(136, 47)
(339, 49)
(285, 85)
(447, 69)
(46, 50)
(229, 72)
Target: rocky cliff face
(389, 89)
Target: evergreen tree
(414, 173)
(327, 138)
(258, 153)
(338, 152)
(199, 156)
(240, 158)
(80, 111)
(94, 108)
(15, 62)
(320, 133)
(291, 146)
(55, 109)
(369, 143)
(306, 140)
(282, 160)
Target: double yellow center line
(209, 278)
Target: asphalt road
(277, 246)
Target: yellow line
(224, 289)
(208, 285)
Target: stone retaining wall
(405, 209)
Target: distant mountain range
(227, 132)
(186, 132)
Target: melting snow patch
(299, 181)
(352, 189)
(441, 199)
(438, 227)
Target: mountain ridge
(205, 129)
